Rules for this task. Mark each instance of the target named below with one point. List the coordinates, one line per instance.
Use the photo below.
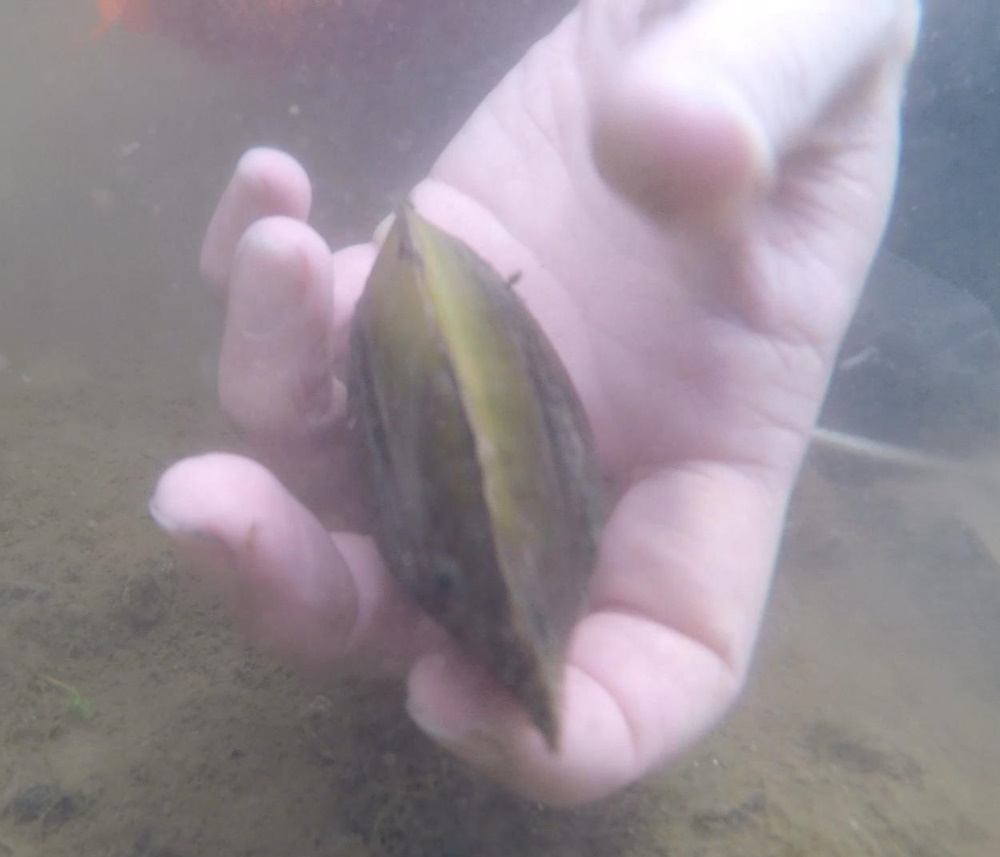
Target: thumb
(695, 105)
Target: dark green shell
(486, 486)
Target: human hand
(692, 193)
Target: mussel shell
(486, 485)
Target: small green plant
(78, 706)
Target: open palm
(693, 199)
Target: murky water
(133, 721)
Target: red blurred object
(377, 35)
(133, 14)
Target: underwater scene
(138, 715)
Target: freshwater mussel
(481, 459)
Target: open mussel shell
(486, 486)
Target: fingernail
(204, 549)
(450, 731)
(474, 741)
(269, 296)
(452, 707)
(442, 700)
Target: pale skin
(693, 194)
